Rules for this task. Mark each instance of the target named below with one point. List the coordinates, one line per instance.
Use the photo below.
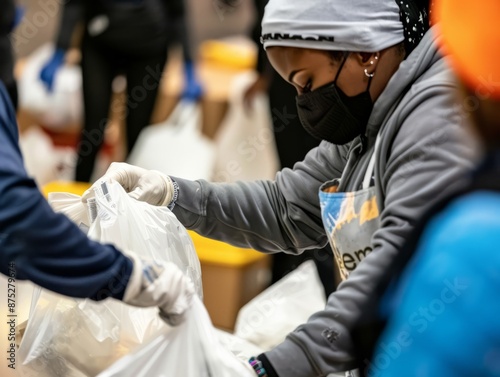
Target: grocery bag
(190, 350)
(246, 148)
(67, 337)
(59, 108)
(268, 318)
(176, 147)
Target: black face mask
(328, 114)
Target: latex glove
(163, 285)
(149, 186)
(18, 17)
(49, 70)
(192, 88)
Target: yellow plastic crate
(77, 188)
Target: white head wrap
(337, 25)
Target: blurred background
(224, 57)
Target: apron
(350, 220)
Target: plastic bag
(64, 105)
(39, 155)
(73, 337)
(176, 147)
(240, 348)
(267, 319)
(189, 350)
(246, 148)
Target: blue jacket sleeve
(42, 246)
(445, 318)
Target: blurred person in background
(10, 16)
(292, 143)
(129, 37)
(441, 309)
(372, 84)
(48, 249)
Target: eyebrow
(293, 73)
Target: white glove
(149, 186)
(163, 285)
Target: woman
(447, 302)
(120, 36)
(372, 85)
(292, 144)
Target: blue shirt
(39, 245)
(445, 319)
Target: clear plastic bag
(267, 319)
(72, 337)
(189, 350)
(177, 146)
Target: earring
(369, 74)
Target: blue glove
(18, 17)
(192, 88)
(48, 72)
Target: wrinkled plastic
(267, 319)
(189, 350)
(246, 148)
(68, 337)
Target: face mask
(328, 114)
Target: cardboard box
(231, 277)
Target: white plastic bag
(61, 107)
(39, 155)
(240, 348)
(267, 319)
(246, 149)
(189, 350)
(176, 147)
(71, 337)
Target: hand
(260, 85)
(149, 186)
(49, 71)
(163, 285)
(192, 88)
(18, 17)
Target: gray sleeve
(269, 216)
(426, 160)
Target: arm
(446, 320)
(46, 247)
(283, 215)
(425, 162)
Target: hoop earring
(369, 74)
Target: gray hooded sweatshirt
(424, 154)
